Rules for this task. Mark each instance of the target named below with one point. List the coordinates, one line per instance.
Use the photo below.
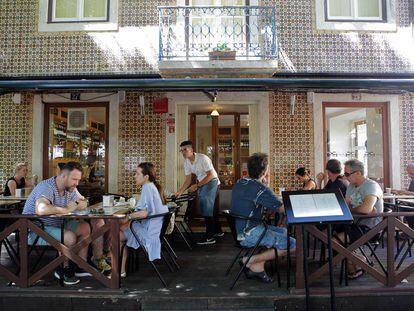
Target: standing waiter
(206, 186)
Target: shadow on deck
(200, 284)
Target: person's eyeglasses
(349, 174)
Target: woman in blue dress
(151, 202)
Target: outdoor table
(12, 198)
(24, 223)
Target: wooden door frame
(214, 137)
(46, 124)
(385, 133)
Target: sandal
(262, 276)
(356, 275)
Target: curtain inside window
(94, 8)
(339, 8)
(66, 8)
(369, 8)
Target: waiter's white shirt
(199, 167)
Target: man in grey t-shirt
(363, 196)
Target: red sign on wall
(160, 105)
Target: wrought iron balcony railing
(187, 33)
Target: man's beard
(70, 189)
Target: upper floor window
(356, 15)
(355, 10)
(78, 15)
(78, 11)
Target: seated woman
(250, 197)
(150, 203)
(304, 176)
(19, 180)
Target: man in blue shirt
(57, 196)
(250, 197)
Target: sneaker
(67, 278)
(79, 272)
(219, 234)
(101, 264)
(207, 241)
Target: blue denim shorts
(275, 237)
(71, 225)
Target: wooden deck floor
(201, 283)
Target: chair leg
(277, 268)
(233, 262)
(171, 257)
(159, 274)
(168, 245)
(187, 233)
(248, 259)
(166, 262)
(183, 237)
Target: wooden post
(391, 280)
(115, 278)
(24, 266)
(300, 278)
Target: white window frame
(71, 25)
(80, 14)
(354, 13)
(388, 22)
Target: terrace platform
(202, 285)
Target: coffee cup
(19, 192)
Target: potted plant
(222, 52)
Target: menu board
(313, 205)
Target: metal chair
(248, 251)
(166, 220)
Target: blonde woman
(19, 180)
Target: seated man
(363, 196)
(409, 191)
(250, 196)
(333, 179)
(56, 196)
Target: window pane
(339, 8)
(66, 8)
(94, 8)
(369, 8)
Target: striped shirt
(48, 189)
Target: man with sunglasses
(206, 187)
(363, 196)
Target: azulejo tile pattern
(291, 138)
(15, 135)
(134, 47)
(141, 139)
(406, 135)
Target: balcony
(189, 35)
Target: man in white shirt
(206, 186)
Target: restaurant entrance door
(225, 139)
(360, 131)
(78, 132)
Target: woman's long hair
(149, 169)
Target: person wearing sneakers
(206, 186)
(251, 197)
(56, 196)
(98, 258)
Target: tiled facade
(141, 139)
(133, 49)
(406, 134)
(15, 134)
(291, 138)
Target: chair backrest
(232, 224)
(165, 223)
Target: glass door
(359, 131)
(226, 153)
(78, 133)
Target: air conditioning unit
(77, 119)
